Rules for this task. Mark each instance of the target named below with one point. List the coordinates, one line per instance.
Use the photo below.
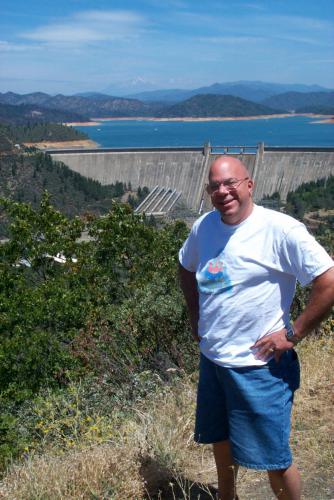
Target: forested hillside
(104, 106)
(38, 132)
(25, 176)
(317, 109)
(216, 105)
(297, 101)
(27, 113)
(311, 196)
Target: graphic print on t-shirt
(213, 278)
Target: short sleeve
(188, 254)
(302, 256)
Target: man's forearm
(318, 306)
(189, 288)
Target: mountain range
(233, 99)
(292, 101)
(256, 91)
(101, 106)
(21, 114)
(206, 105)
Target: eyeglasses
(228, 184)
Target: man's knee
(223, 454)
(285, 483)
(277, 472)
(280, 473)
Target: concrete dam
(274, 169)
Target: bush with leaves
(71, 309)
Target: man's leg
(227, 470)
(285, 483)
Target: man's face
(230, 189)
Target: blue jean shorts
(250, 407)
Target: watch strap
(291, 335)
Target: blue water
(296, 131)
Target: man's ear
(250, 185)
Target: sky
(127, 46)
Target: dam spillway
(274, 169)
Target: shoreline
(98, 121)
(327, 120)
(76, 144)
(83, 124)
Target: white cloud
(110, 16)
(302, 39)
(89, 26)
(64, 33)
(253, 6)
(230, 39)
(178, 4)
(297, 22)
(15, 47)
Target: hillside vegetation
(311, 196)
(109, 312)
(104, 106)
(300, 102)
(12, 136)
(317, 109)
(25, 176)
(22, 114)
(216, 105)
(37, 132)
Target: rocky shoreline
(97, 121)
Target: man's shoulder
(277, 220)
(206, 220)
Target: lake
(291, 131)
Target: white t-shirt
(246, 275)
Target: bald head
(230, 188)
(228, 166)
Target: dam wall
(285, 170)
(274, 169)
(179, 169)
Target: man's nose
(223, 189)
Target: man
(238, 270)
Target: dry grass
(100, 472)
(145, 452)
(313, 425)
(155, 445)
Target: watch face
(290, 335)
(289, 332)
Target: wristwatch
(291, 335)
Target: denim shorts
(251, 407)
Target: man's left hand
(274, 344)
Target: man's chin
(226, 208)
